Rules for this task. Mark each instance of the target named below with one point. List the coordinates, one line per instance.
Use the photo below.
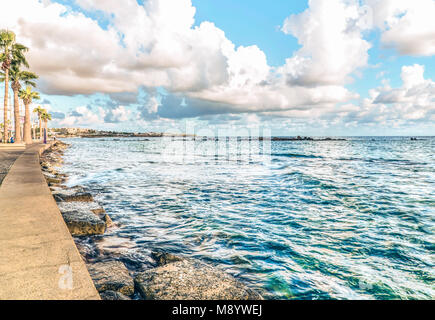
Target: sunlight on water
(316, 220)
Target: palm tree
(8, 122)
(45, 116)
(11, 57)
(17, 76)
(28, 96)
(39, 110)
(7, 40)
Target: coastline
(170, 277)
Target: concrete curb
(38, 257)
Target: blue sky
(253, 22)
(359, 67)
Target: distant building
(73, 131)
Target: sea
(327, 219)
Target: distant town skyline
(328, 68)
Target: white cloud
(156, 45)
(83, 116)
(408, 26)
(119, 114)
(330, 33)
(414, 100)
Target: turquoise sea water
(348, 219)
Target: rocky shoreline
(169, 278)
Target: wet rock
(53, 181)
(93, 207)
(191, 280)
(83, 223)
(107, 220)
(57, 188)
(113, 295)
(98, 211)
(113, 276)
(80, 205)
(163, 258)
(70, 195)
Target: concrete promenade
(38, 257)
(7, 159)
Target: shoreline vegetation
(170, 277)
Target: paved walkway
(7, 159)
(38, 257)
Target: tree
(8, 122)
(27, 95)
(45, 116)
(12, 57)
(39, 110)
(7, 40)
(17, 76)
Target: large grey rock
(74, 194)
(113, 295)
(94, 207)
(81, 205)
(113, 276)
(84, 223)
(191, 280)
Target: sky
(318, 67)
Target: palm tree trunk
(27, 130)
(17, 116)
(45, 132)
(5, 129)
(34, 132)
(40, 128)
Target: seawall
(38, 257)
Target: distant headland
(92, 133)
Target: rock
(80, 205)
(113, 276)
(70, 195)
(83, 223)
(93, 207)
(45, 165)
(98, 211)
(108, 220)
(191, 280)
(113, 295)
(163, 258)
(53, 181)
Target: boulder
(191, 280)
(113, 295)
(70, 195)
(163, 258)
(94, 207)
(98, 211)
(80, 205)
(84, 223)
(112, 276)
(53, 181)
